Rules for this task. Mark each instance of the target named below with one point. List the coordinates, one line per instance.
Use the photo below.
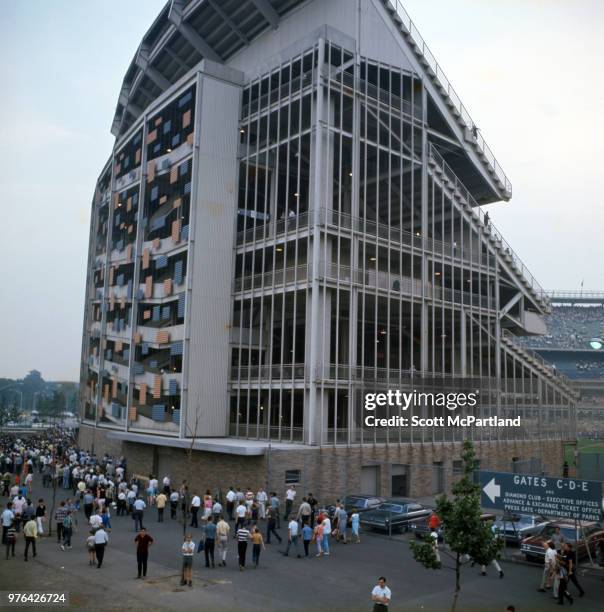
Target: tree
(8, 413)
(467, 536)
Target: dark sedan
(584, 535)
(361, 503)
(394, 514)
(515, 528)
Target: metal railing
(423, 50)
(484, 219)
(401, 236)
(266, 231)
(512, 339)
(367, 278)
(296, 371)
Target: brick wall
(328, 472)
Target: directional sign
(569, 498)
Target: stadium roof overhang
(184, 33)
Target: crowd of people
(559, 569)
(570, 327)
(99, 487)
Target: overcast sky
(529, 72)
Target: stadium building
(291, 218)
(574, 345)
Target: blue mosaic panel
(158, 412)
(178, 273)
(176, 348)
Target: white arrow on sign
(492, 490)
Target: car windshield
(566, 532)
(354, 501)
(392, 508)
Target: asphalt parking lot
(342, 581)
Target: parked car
(516, 527)
(586, 534)
(361, 503)
(395, 513)
(421, 530)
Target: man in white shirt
(292, 537)
(241, 512)
(101, 539)
(174, 498)
(381, 595)
(549, 566)
(216, 510)
(18, 504)
(290, 496)
(137, 513)
(231, 496)
(326, 534)
(261, 498)
(7, 520)
(96, 521)
(195, 505)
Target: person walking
(160, 501)
(91, 548)
(342, 517)
(304, 512)
(243, 536)
(195, 505)
(261, 498)
(271, 523)
(241, 513)
(381, 596)
(326, 534)
(187, 550)
(67, 530)
(101, 539)
(174, 497)
(60, 514)
(222, 535)
(355, 523)
(88, 500)
(30, 531)
(562, 576)
(10, 540)
(231, 496)
(143, 540)
(138, 509)
(40, 516)
(558, 540)
(570, 560)
(290, 497)
(210, 541)
(292, 538)
(275, 508)
(257, 545)
(7, 518)
(307, 534)
(548, 567)
(318, 537)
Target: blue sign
(569, 498)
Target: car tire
(533, 558)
